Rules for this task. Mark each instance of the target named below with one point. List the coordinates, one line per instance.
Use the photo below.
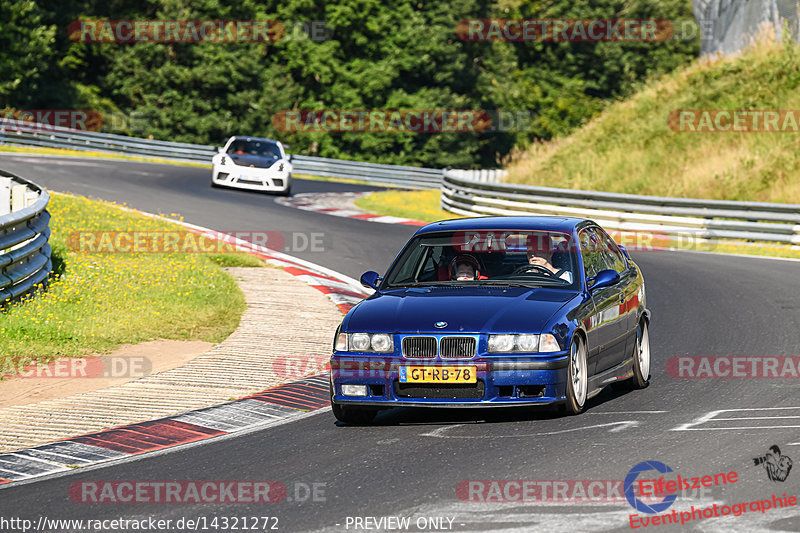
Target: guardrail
(19, 133)
(676, 217)
(24, 234)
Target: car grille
(425, 347)
(457, 347)
(444, 391)
(419, 347)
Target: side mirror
(289, 157)
(371, 279)
(604, 278)
(286, 147)
(221, 149)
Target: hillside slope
(631, 148)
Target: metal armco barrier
(24, 234)
(19, 133)
(695, 218)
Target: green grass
(416, 205)
(629, 148)
(96, 302)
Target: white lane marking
(618, 426)
(711, 416)
(628, 413)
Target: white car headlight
(365, 342)
(522, 343)
(382, 342)
(501, 343)
(359, 342)
(527, 343)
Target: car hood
(244, 160)
(464, 309)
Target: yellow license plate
(438, 374)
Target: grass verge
(416, 205)
(95, 302)
(637, 146)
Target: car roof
(246, 138)
(518, 223)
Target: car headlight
(501, 343)
(365, 342)
(524, 343)
(359, 342)
(381, 342)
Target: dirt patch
(125, 364)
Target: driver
(239, 148)
(464, 267)
(540, 252)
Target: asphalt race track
(410, 463)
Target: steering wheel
(524, 269)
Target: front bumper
(255, 179)
(502, 382)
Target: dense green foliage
(382, 54)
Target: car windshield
(256, 148)
(494, 257)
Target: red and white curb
(325, 203)
(281, 402)
(285, 401)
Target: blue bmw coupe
(494, 311)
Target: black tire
(576, 399)
(354, 415)
(214, 184)
(287, 192)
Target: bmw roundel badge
(441, 324)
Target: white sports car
(252, 163)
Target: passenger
(465, 268)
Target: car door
(628, 286)
(607, 337)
